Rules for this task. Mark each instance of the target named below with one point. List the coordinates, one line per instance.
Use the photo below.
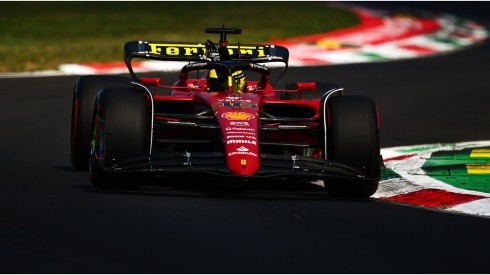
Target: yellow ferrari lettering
(190, 51)
(258, 51)
(172, 51)
(246, 52)
(194, 49)
(175, 49)
(155, 48)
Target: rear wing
(191, 51)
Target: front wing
(213, 163)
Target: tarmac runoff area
(441, 177)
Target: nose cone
(239, 129)
(239, 122)
(242, 157)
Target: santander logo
(242, 149)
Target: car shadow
(282, 190)
(193, 186)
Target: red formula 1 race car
(223, 118)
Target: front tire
(121, 132)
(353, 139)
(84, 95)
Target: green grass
(43, 35)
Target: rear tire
(84, 95)
(353, 139)
(122, 130)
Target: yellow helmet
(212, 73)
(236, 81)
(215, 83)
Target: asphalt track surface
(53, 221)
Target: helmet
(238, 81)
(221, 83)
(217, 83)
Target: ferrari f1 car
(223, 118)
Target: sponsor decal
(194, 85)
(258, 66)
(241, 137)
(176, 49)
(233, 98)
(180, 122)
(293, 126)
(237, 116)
(230, 137)
(197, 65)
(257, 51)
(226, 104)
(240, 130)
(241, 141)
(197, 49)
(239, 123)
(242, 153)
(235, 104)
(248, 135)
(242, 149)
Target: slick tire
(321, 89)
(122, 131)
(84, 94)
(353, 139)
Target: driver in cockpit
(219, 82)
